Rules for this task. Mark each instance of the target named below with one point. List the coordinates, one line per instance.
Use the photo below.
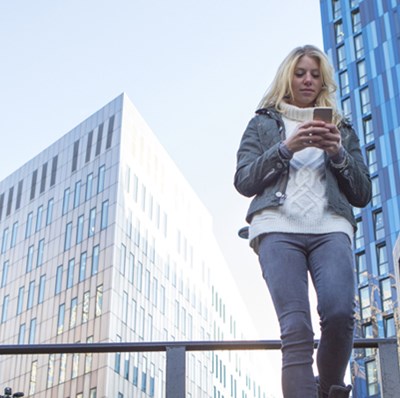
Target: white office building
(103, 240)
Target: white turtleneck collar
(293, 112)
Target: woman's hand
(317, 134)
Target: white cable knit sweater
(305, 208)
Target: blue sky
(195, 70)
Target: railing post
(176, 368)
(389, 370)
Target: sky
(195, 70)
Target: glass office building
(103, 240)
(362, 38)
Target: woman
(305, 175)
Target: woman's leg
(331, 267)
(284, 265)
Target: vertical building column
(389, 370)
(176, 369)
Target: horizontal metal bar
(18, 349)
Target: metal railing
(176, 356)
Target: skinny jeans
(286, 259)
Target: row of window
(91, 227)
(12, 235)
(83, 307)
(131, 361)
(53, 171)
(62, 375)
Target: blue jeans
(286, 260)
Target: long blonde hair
(281, 87)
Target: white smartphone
(323, 113)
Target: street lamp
(8, 393)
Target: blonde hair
(281, 87)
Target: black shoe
(339, 392)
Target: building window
(379, 227)
(75, 156)
(93, 392)
(376, 192)
(39, 217)
(365, 302)
(42, 285)
(92, 222)
(73, 313)
(383, 264)
(19, 195)
(362, 72)
(365, 100)
(99, 139)
(1, 204)
(85, 309)
(32, 331)
(359, 235)
(362, 270)
(356, 21)
(144, 375)
(372, 378)
(359, 46)
(95, 260)
(117, 360)
(31, 293)
(75, 366)
(344, 83)
(77, 194)
(53, 170)
(39, 259)
(63, 368)
(4, 309)
(89, 146)
(82, 267)
(110, 131)
(88, 357)
(386, 294)
(99, 300)
(60, 319)
(346, 107)
(9, 201)
(368, 130)
(104, 215)
(33, 378)
(43, 179)
(372, 160)
(4, 241)
(21, 334)
(4, 276)
(341, 57)
(49, 215)
(66, 201)
(390, 328)
(79, 230)
(339, 35)
(29, 259)
(68, 233)
(89, 186)
(59, 274)
(33, 184)
(336, 9)
(101, 178)
(28, 227)
(70, 273)
(20, 302)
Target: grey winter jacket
(263, 173)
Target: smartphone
(323, 113)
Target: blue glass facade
(362, 39)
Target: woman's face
(306, 82)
